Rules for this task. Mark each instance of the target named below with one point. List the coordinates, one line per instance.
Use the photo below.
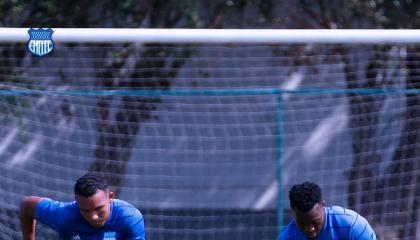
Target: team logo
(40, 42)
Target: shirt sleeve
(50, 213)
(361, 230)
(136, 227)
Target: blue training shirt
(340, 224)
(124, 221)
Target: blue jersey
(340, 224)
(124, 221)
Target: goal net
(205, 139)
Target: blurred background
(213, 155)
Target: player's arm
(27, 216)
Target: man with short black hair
(94, 215)
(313, 220)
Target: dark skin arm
(27, 216)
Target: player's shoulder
(291, 232)
(340, 210)
(124, 214)
(122, 207)
(50, 209)
(356, 224)
(121, 203)
(50, 203)
(342, 217)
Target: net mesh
(206, 139)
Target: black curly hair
(304, 196)
(89, 184)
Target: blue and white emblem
(40, 42)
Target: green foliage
(130, 13)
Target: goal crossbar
(143, 35)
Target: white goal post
(148, 35)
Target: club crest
(40, 42)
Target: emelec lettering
(41, 46)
